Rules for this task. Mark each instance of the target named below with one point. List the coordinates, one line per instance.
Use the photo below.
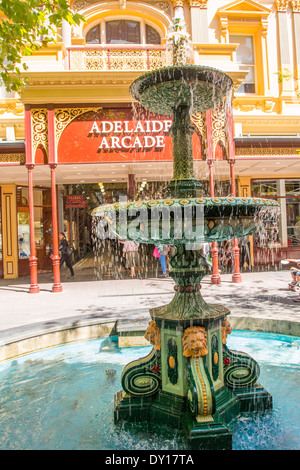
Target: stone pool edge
(33, 337)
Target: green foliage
(21, 29)
(285, 74)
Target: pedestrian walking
(130, 252)
(163, 253)
(65, 251)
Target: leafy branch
(21, 26)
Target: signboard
(117, 135)
(76, 201)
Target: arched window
(94, 35)
(152, 36)
(123, 32)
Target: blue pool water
(62, 398)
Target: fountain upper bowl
(198, 87)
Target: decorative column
(215, 278)
(66, 39)
(295, 5)
(34, 288)
(287, 87)
(57, 287)
(178, 8)
(199, 22)
(29, 157)
(236, 277)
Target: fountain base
(191, 381)
(171, 412)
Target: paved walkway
(262, 301)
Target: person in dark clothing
(65, 257)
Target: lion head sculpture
(153, 335)
(226, 330)
(194, 342)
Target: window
(245, 58)
(42, 222)
(123, 32)
(292, 191)
(152, 36)
(93, 35)
(0, 232)
(269, 189)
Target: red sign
(76, 200)
(114, 135)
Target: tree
(26, 26)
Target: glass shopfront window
(0, 232)
(291, 195)
(268, 234)
(42, 224)
(292, 191)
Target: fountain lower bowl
(193, 220)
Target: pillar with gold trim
(9, 231)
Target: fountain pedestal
(190, 381)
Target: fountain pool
(61, 398)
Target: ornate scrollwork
(199, 122)
(39, 129)
(218, 126)
(64, 116)
(142, 378)
(240, 369)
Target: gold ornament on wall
(63, 117)
(39, 123)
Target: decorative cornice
(281, 5)
(12, 158)
(81, 4)
(12, 107)
(267, 151)
(295, 5)
(178, 3)
(163, 5)
(198, 3)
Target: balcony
(118, 57)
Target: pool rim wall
(31, 338)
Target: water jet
(191, 380)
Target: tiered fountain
(190, 381)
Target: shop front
(79, 157)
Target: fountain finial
(179, 39)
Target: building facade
(73, 139)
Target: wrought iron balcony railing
(118, 57)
